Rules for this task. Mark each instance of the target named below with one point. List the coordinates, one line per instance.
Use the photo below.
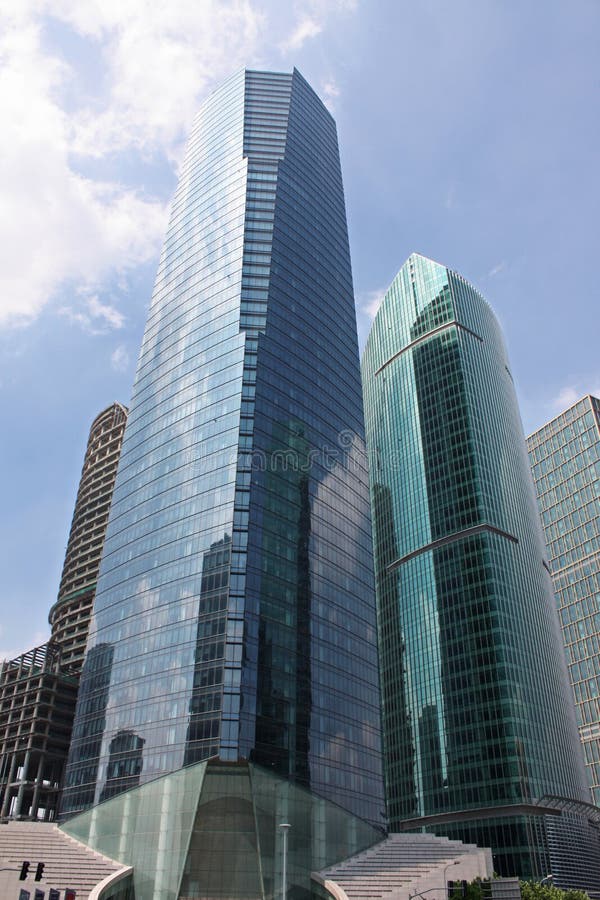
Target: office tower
(38, 689)
(480, 739)
(69, 617)
(565, 461)
(235, 589)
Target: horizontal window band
(577, 563)
(485, 812)
(425, 337)
(451, 539)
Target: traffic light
(24, 870)
(69, 894)
(39, 871)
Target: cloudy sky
(469, 133)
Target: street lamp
(547, 879)
(285, 826)
(453, 862)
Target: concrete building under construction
(38, 689)
(37, 705)
(70, 615)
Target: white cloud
(330, 89)
(330, 92)
(161, 59)
(306, 29)
(59, 229)
(94, 316)
(567, 396)
(571, 393)
(497, 269)
(370, 302)
(55, 225)
(111, 316)
(119, 360)
(312, 18)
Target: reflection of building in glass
(88, 731)
(400, 786)
(472, 669)
(70, 615)
(37, 704)
(565, 460)
(125, 764)
(251, 325)
(283, 696)
(207, 694)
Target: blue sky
(469, 132)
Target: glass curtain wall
(235, 605)
(565, 461)
(214, 830)
(477, 709)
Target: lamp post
(453, 862)
(285, 826)
(548, 879)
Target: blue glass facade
(565, 461)
(477, 711)
(235, 611)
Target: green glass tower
(479, 726)
(565, 460)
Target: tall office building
(235, 611)
(479, 728)
(70, 615)
(565, 460)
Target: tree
(533, 890)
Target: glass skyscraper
(480, 737)
(235, 610)
(565, 460)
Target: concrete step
(402, 865)
(67, 863)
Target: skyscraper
(70, 615)
(38, 689)
(565, 461)
(479, 729)
(235, 606)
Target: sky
(469, 133)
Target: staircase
(67, 863)
(403, 865)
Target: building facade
(38, 689)
(565, 461)
(479, 729)
(70, 616)
(235, 614)
(37, 704)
